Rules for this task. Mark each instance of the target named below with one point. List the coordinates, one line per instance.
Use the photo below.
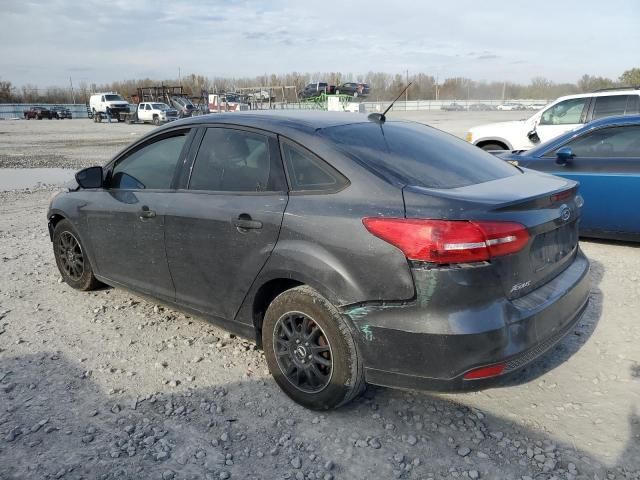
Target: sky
(46, 42)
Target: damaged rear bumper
(430, 343)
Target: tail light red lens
(485, 372)
(449, 241)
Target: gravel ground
(108, 385)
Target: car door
(562, 117)
(606, 162)
(126, 219)
(223, 224)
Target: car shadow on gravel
(57, 422)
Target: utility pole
(504, 88)
(73, 95)
(179, 76)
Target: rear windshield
(418, 155)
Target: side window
(633, 105)
(147, 107)
(233, 161)
(151, 166)
(609, 106)
(567, 112)
(608, 142)
(102, 98)
(309, 173)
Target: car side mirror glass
(91, 177)
(564, 155)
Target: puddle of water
(18, 178)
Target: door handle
(145, 213)
(245, 222)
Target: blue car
(604, 156)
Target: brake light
(485, 372)
(449, 241)
(559, 197)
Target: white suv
(566, 113)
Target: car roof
(605, 93)
(278, 122)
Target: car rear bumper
(417, 347)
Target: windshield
(113, 98)
(415, 154)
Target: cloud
(144, 38)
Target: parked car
(354, 89)
(536, 106)
(315, 89)
(565, 114)
(453, 107)
(99, 102)
(61, 112)
(460, 268)
(604, 156)
(37, 112)
(508, 106)
(183, 105)
(481, 107)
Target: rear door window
(419, 155)
(231, 160)
(610, 105)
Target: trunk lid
(546, 205)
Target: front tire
(156, 121)
(71, 258)
(493, 146)
(311, 350)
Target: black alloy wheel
(303, 352)
(71, 256)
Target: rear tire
(311, 350)
(71, 258)
(493, 146)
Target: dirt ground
(107, 385)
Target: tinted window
(608, 142)
(151, 166)
(633, 105)
(567, 112)
(307, 172)
(609, 106)
(233, 161)
(418, 155)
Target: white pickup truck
(566, 113)
(152, 112)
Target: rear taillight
(449, 241)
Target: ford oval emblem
(565, 213)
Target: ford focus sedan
(353, 250)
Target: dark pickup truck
(37, 113)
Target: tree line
(383, 86)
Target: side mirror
(90, 177)
(564, 155)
